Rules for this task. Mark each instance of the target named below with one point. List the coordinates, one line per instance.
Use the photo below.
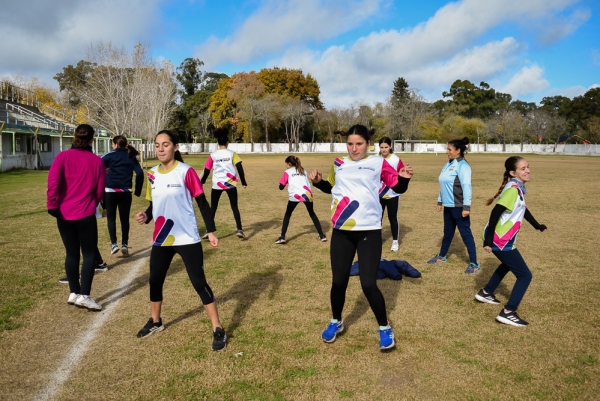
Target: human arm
(144, 217)
(283, 181)
(139, 178)
(489, 234)
(54, 177)
(207, 216)
(464, 177)
(207, 167)
(531, 220)
(396, 180)
(316, 178)
(240, 170)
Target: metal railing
(17, 95)
(17, 115)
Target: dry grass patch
(274, 301)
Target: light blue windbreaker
(455, 184)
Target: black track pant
(392, 207)
(193, 259)
(311, 212)
(80, 235)
(215, 195)
(344, 245)
(121, 201)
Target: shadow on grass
(26, 214)
(255, 228)
(246, 292)
(386, 234)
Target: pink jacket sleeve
(284, 179)
(54, 177)
(192, 183)
(389, 176)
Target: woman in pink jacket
(76, 182)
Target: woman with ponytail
(76, 182)
(354, 182)
(225, 177)
(296, 179)
(171, 189)
(455, 199)
(500, 236)
(387, 197)
(120, 165)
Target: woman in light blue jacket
(455, 198)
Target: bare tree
(267, 112)
(404, 118)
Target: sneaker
(437, 259)
(386, 338)
(332, 330)
(511, 318)
(114, 248)
(395, 246)
(240, 234)
(473, 268)
(205, 236)
(64, 280)
(125, 250)
(323, 238)
(219, 339)
(486, 298)
(101, 267)
(280, 240)
(72, 298)
(151, 328)
(85, 301)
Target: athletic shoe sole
(125, 251)
(509, 322)
(114, 250)
(486, 300)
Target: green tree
(400, 91)
(189, 76)
(73, 78)
(474, 101)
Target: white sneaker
(394, 246)
(84, 301)
(72, 298)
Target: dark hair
(386, 139)
(460, 144)
(174, 140)
(121, 142)
(295, 162)
(361, 130)
(222, 135)
(509, 165)
(84, 133)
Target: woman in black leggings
(354, 183)
(120, 165)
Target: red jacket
(76, 182)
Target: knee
(369, 287)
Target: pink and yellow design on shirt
(341, 213)
(230, 183)
(509, 224)
(305, 197)
(162, 230)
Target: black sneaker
(511, 318)
(64, 280)
(101, 267)
(219, 339)
(486, 298)
(151, 328)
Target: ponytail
(178, 157)
(460, 144)
(132, 152)
(222, 135)
(295, 162)
(509, 165)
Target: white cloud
(526, 81)
(573, 91)
(282, 23)
(46, 35)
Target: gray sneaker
(85, 301)
(240, 234)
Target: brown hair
(509, 165)
(174, 140)
(295, 162)
(361, 130)
(84, 133)
(121, 142)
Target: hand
(137, 196)
(104, 213)
(141, 217)
(244, 186)
(542, 228)
(315, 176)
(488, 249)
(465, 213)
(438, 208)
(212, 238)
(406, 171)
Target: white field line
(78, 350)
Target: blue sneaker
(386, 338)
(473, 268)
(332, 331)
(437, 259)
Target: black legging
(344, 245)
(193, 259)
(311, 212)
(79, 235)
(122, 201)
(392, 205)
(215, 195)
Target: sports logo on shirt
(162, 229)
(305, 197)
(338, 162)
(229, 184)
(150, 177)
(341, 213)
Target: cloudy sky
(354, 48)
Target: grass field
(274, 301)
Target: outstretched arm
(531, 220)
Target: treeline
(131, 93)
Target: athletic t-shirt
(224, 174)
(455, 184)
(509, 224)
(172, 194)
(298, 185)
(386, 192)
(355, 192)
